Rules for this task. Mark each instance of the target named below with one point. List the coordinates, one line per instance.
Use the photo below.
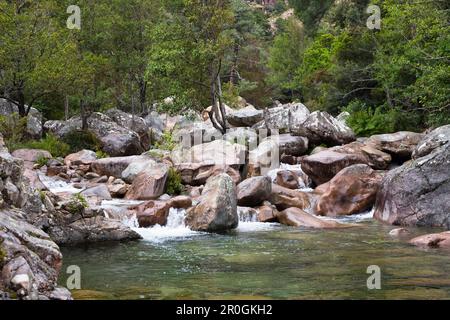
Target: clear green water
(280, 263)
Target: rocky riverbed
(269, 183)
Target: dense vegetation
(132, 53)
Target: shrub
(80, 139)
(12, 128)
(77, 204)
(173, 184)
(101, 154)
(367, 121)
(50, 143)
(42, 161)
(167, 142)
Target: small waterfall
(56, 186)
(173, 230)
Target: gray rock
(246, 117)
(432, 141)
(417, 193)
(321, 127)
(217, 209)
(399, 144)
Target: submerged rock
(217, 209)
(296, 217)
(435, 240)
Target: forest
(131, 54)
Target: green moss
(101, 154)
(174, 184)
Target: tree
(188, 51)
(35, 51)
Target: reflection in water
(260, 261)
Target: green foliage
(167, 142)
(174, 184)
(366, 121)
(12, 128)
(2, 254)
(79, 140)
(77, 204)
(51, 143)
(42, 161)
(101, 154)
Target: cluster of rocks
(262, 169)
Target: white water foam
(57, 186)
(173, 230)
(361, 217)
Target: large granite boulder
(353, 190)
(116, 139)
(150, 183)
(133, 123)
(245, 117)
(417, 193)
(29, 260)
(253, 191)
(114, 166)
(321, 127)
(323, 166)
(217, 209)
(400, 144)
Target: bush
(79, 140)
(167, 142)
(50, 143)
(173, 184)
(367, 121)
(77, 204)
(12, 128)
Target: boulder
(298, 114)
(31, 156)
(196, 174)
(435, 240)
(133, 123)
(275, 120)
(244, 136)
(136, 167)
(152, 213)
(353, 190)
(149, 184)
(284, 198)
(91, 230)
(218, 152)
(375, 158)
(116, 140)
(432, 141)
(247, 214)
(400, 144)
(246, 117)
(417, 192)
(296, 217)
(323, 166)
(114, 166)
(34, 119)
(267, 213)
(30, 261)
(321, 127)
(253, 191)
(83, 157)
(99, 192)
(217, 209)
(287, 179)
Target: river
(260, 261)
